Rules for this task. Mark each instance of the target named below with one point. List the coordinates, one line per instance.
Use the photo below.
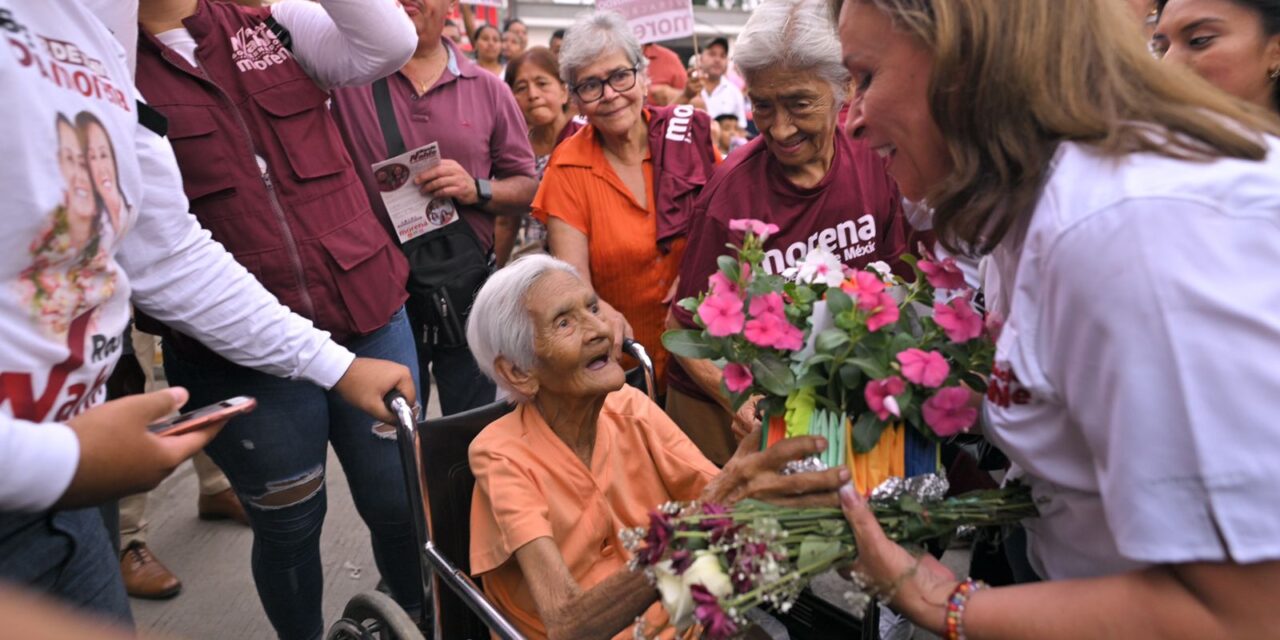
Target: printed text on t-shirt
(848, 240)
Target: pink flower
(886, 312)
(878, 391)
(716, 624)
(958, 319)
(656, 539)
(865, 288)
(774, 331)
(760, 229)
(769, 304)
(721, 284)
(948, 412)
(942, 275)
(737, 377)
(722, 313)
(929, 369)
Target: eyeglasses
(593, 89)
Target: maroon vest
(305, 230)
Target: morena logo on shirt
(848, 240)
(256, 48)
(1004, 389)
(678, 127)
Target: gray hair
(595, 35)
(499, 324)
(798, 35)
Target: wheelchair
(440, 483)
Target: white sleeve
(37, 462)
(184, 279)
(1160, 328)
(348, 42)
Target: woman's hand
(917, 586)
(752, 473)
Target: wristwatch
(484, 191)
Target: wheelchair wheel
(374, 616)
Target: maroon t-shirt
(855, 213)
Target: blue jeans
(275, 460)
(65, 554)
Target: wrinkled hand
(368, 380)
(920, 586)
(119, 456)
(751, 473)
(746, 419)
(448, 180)
(621, 328)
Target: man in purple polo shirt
(487, 165)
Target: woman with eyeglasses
(617, 197)
(1234, 44)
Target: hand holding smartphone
(204, 416)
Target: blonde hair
(1011, 80)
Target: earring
(1274, 74)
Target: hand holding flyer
(412, 213)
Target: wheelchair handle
(638, 352)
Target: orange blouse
(627, 269)
(530, 485)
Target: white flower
(706, 571)
(820, 266)
(881, 267)
(676, 598)
(891, 403)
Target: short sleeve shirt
(469, 111)
(628, 270)
(665, 66)
(530, 485)
(1136, 385)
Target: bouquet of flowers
(881, 366)
(711, 564)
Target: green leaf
(909, 259)
(811, 378)
(830, 340)
(838, 301)
(729, 265)
(909, 504)
(689, 343)
(851, 376)
(689, 304)
(901, 342)
(866, 432)
(803, 294)
(773, 374)
(817, 551)
(873, 369)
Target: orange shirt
(627, 269)
(529, 485)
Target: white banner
(654, 20)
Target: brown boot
(144, 576)
(223, 505)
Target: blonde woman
(1130, 216)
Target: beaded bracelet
(955, 607)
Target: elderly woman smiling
(617, 197)
(819, 187)
(583, 457)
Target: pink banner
(654, 20)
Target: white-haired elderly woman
(582, 457)
(618, 196)
(821, 188)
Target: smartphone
(204, 416)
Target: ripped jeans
(275, 459)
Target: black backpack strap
(387, 118)
(282, 34)
(153, 120)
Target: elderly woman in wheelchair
(582, 457)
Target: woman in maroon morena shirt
(821, 188)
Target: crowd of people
(196, 177)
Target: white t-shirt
(726, 99)
(94, 217)
(1138, 380)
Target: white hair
(595, 35)
(797, 35)
(500, 324)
